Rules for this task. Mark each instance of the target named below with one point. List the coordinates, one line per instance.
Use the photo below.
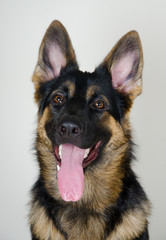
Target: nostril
(63, 129)
(75, 131)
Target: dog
(86, 188)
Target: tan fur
(48, 163)
(106, 181)
(48, 167)
(83, 228)
(70, 86)
(119, 136)
(43, 227)
(41, 128)
(133, 224)
(90, 91)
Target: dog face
(77, 107)
(82, 116)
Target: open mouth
(90, 154)
(70, 163)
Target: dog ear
(55, 53)
(125, 63)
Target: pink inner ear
(122, 69)
(57, 59)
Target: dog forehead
(84, 84)
(92, 82)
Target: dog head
(82, 114)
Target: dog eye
(99, 104)
(58, 99)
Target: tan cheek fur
(119, 137)
(107, 179)
(41, 128)
(48, 163)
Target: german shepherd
(86, 188)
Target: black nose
(69, 129)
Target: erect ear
(55, 53)
(125, 63)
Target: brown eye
(58, 99)
(99, 104)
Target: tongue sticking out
(70, 175)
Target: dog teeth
(58, 168)
(86, 153)
(60, 151)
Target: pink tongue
(70, 175)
